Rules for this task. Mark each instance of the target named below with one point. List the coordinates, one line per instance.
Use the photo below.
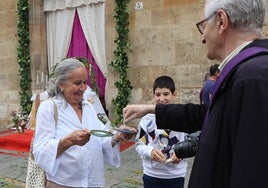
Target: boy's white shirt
(154, 168)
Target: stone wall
(38, 47)
(163, 38)
(9, 76)
(164, 41)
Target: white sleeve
(111, 154)
(142, 149)
(45, 145)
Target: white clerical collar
(232, 54)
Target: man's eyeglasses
(201, 25)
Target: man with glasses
(233, 147)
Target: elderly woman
(64, 145)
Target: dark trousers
(151, 182)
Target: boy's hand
(157, 155)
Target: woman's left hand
(121, 136)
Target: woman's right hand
(77, 137)
(80, 137)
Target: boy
(155, 146)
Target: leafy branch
(23, 52)
(120, 61)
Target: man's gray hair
(244, 15)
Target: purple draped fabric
(79, 48)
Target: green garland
(120, 61)
(23, 51)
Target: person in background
(92, 97)
(155, 146)
(206, 77)
(205, 93)
(232, 150)
(64, 144)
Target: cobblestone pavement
(13, 171)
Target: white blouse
(148, 138)
(78, 166)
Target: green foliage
(120, 61)
(23, 52)
(93, 82)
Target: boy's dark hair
(164, 82)
(214, 69)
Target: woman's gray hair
(59, 73)
(244, 15)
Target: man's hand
(131, 112)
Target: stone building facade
(163, 38)
(9, 75)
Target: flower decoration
(19, 120)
